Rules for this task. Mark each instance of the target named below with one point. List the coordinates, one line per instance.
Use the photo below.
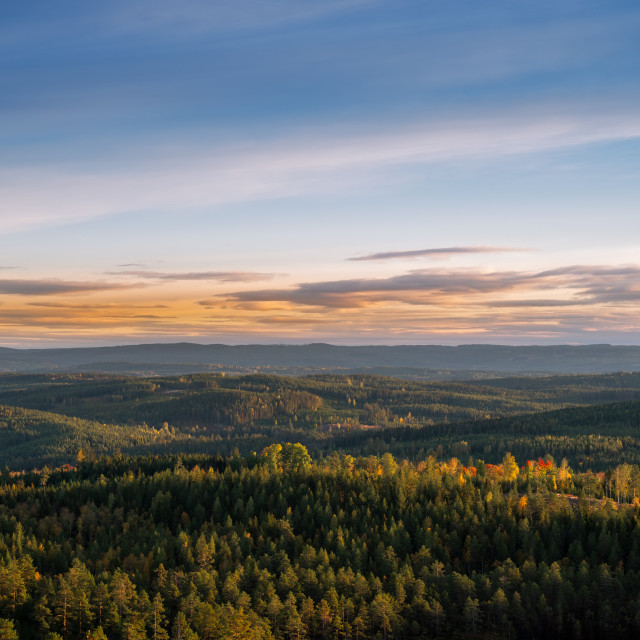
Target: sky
(294, 171)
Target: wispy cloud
(166, 21)
(200, 17)
(28, 320)
(533, 303)
(437, 253)
(90, 307)
(43, 287)
(295, 320)
(214, 276)
(324, 163)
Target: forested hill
(310, 401)
(47, 419)
(260, 507)
(592, 437)
(427, 361)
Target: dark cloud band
(577, 284)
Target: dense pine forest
(179, 508)
(275, 545)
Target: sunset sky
(345, 171)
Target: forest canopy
(591, 420)
(328, 507)
(276, 545)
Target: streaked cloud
(437, 253)
(302, 165)
(258, 306)
(514, 307)
(201, 17)
(53, 286)
(565, 303)
(214, 276)
(89, 307)
(585, 284)
(540, 302)
(292, 320)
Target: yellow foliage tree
(510, 467)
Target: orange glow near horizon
(427, 305)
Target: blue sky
(220, 162)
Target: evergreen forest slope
(261, 507)
(48, 419)
(277, 546)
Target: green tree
(295, 457)
(122, 592)
(13, 587)
(81, 585)
(7, 630)
(157, 619)
(382, 612)
(182, 629)
(272, 456)
(471, 614)
(63, 604)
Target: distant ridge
(187, 357)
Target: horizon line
(326, 344)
